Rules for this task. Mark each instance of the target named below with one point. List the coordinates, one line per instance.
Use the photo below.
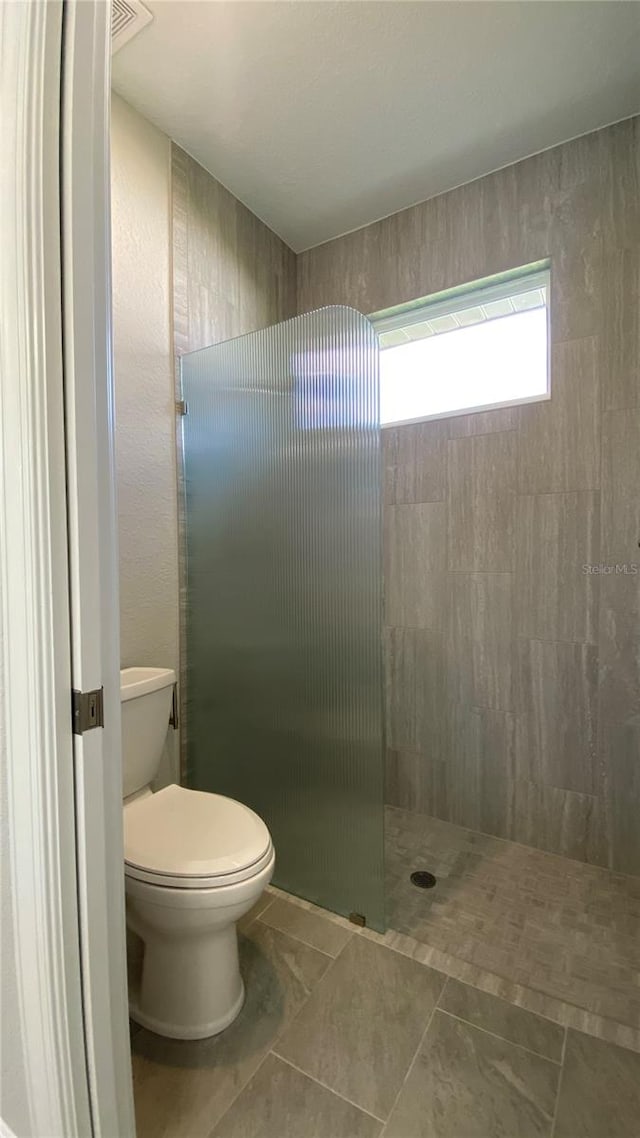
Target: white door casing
(36, 714)
(58, 553)
(93, 556)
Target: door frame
(58, 572)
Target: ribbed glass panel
(282, 475)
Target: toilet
(195, 863)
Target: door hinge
(174, 719)
(87, 710)
(182, 407)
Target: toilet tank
(146, 695)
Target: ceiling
(322, 116)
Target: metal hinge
(87, 710)
(174, 719)
(182, 407)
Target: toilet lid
(192, 834)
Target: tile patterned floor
(558, 927)
(342, 1036)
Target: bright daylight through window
(481, 346)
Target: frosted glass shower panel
(282, 476)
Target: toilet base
(176, 1031)
(190, 985)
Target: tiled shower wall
(231, 275)
(513, 672)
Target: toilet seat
(190, 839)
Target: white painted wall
(144, 385)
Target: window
(481, 346)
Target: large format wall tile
(620, 754)
(619, 655)
(483, 422)
(416, 689)
(557, 696)
(574, 230)
(560, 821)
(620, 329)
(620, 567)
(557, 541)
(558, 447)
(416, 462)
(481, 474)
(479, 768)
(231, 275)
(418, 782)
(621, 151)
(620, 482)
(579, 206)
(415, 564)
(479, 641)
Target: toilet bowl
(195, 863)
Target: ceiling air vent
(128, 17)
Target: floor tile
(317, 931)
(497, 1016)
(466, 1083)
(182, 1088)
(600, 1090)
(281, 1102)
(255, 911)
(359, 1030)
(561, 928)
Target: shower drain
(422, 879)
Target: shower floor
(518, 922)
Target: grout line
(554, 493)
(312, 907)
(590, 865)
(559, 1087)
(301, 939)
(413, 1061)
(267, 906)
(502, 1038)
(562, 1009)
(283, 1028)
(497, 431)
(253, 920)
(325, 1086)
(237, 1095)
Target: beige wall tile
(415, 591)
(620, 485)
(620, 756)
(558, 820)
(579, 206)
(620, 328)
(479, 768)
(556, 702)
(481, 502)
(415, 684)
(558, 446)
(416, 462)
(480, 637)
(557, 538)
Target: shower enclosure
(284, 579)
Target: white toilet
(194, 864)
